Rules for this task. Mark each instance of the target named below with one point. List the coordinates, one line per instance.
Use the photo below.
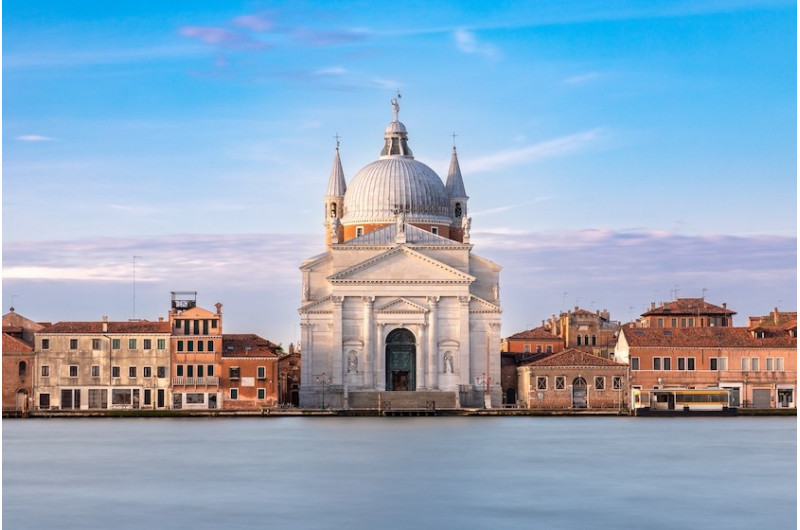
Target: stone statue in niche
(335, 230)
(352, 362)
(448, 362)
(466, 223)
(496, 292)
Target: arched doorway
(401, 360)
(579, 397)
(22, 400)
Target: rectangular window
(526, 348)
(147, 344)
(754, 364)
(131, 344)
(656, 363)
(199, 345)
(210, 370)
(681, 363)
(189, 370)
(713, 363)
(45, 371)
(73, 344)
(560, 382)
(599, 382)
(161, 344)
(770, 364)
(667, 363)
(95, 344)
(779, 364)
(661, 322)
(214, 324)
(683, 322)
(617, 382)
(98, 399)
(538, 348)
(71, 399)
(691, 322)
(177, 324)
(549, 349)
(234, 393)
(541, 383)
(73, 370)
(161, 372)
(189, 345)
(435, 230)
(674, 322)
(121, 397)
(147, 371)
(179, 370)
(115, 344)
(148, 396)
(180, 345)
(44, 401)
(46, 346)
(690, 363)
(195, 398)
(211, 342)
(131, 371)
(359, 231)
(262, 393)
(199, 370)
(95, 370)
(262, 372)
(205, 327)
(233, 373)
(745, 364)
(718, 363)
(115, 371)
(634, 363)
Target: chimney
(652, 306)
(724, 305)
(105, 324)
(775, 316)
(219, 308)
(161, 319)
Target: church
(398, 312)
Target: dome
(396, 183)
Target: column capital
(368, 300)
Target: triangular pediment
(324, 305)
(401, 305)
(401, 265)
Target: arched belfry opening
(401, 360)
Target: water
(520, 472)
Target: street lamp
(323, 380)
(484, 381)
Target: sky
(615, 153)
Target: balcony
(194, 381)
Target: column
(466, 370)
(422, 357)
(433, 343)
(337, 362)
(380, 359)
(369, 333)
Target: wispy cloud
(581, 78)
(34, 138)
(548, 149)
(314, 37)
(222, 37)
(256, 22)
(467, 43)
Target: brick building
(289, 370)
(573, 379)
(249, 372)
(18, 365)
(687, 313)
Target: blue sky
(614, 152)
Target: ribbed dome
(396, 184)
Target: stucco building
(687, 313)
(249, 372)
(398, 309)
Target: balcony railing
(184, 381)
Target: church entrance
(401, 360)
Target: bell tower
(334, 201)
(458, 200)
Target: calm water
(549, 473)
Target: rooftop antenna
(704, 293)
(134, 286)
(676, 291)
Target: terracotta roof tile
(14, 345)
(574, 357)
(138, 326)
(715, 337)
(689, 306)
(539, 333)
(247, 345)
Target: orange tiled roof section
(247, 345)
(690, 307)
(13, 344)
(138, 326)
(715, 337)
(574, 357)
(535, 333)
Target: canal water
(387, 473)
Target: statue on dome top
(396, 106)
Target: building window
(634, 363)
(148, 396)
(262, 393)
(718, 363)
(70, 398)
(262, 372)
(115, 344)
(549, 349)
(95, 344)
(161, 344)
(753, 364)
(617, 382)
(779, 364)
(234, 393)
(579, 340)
(189, 370)
(199, 370)
(770, 365)
(96, 370)
(683, 322)
(541, 383)
(667, 362)
(745, 364)
(161, 372)
(690, 363)
(359, 231)
(179, 370)
(214, 324)
(44, 401)
(526, 348)
(98, 399)
(674, 322)
(73, 344)
(691, 322)
(115, 371)
(147, 371)
(45, 344)
(45, 371)
(147, 344)
(195, 398)
(210, 370)
(131, 344)
(435, 230)
(189, 345)
(656, 363)
(180, 345)
(594, 340)
(73, 370)
(560, 382)
(233, 373)
(200, 345)
(23, 368)
(177, 324)
(599, 382)
(681, 363)
(211, 344)
(538, 348)
(131, 371)
(661, 322)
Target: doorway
(579, 400)
(401, 361)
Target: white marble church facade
(398, 312)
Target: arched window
(23, 368)
(458, 211)
(579, 340)
(586, 340)
(333, 209)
